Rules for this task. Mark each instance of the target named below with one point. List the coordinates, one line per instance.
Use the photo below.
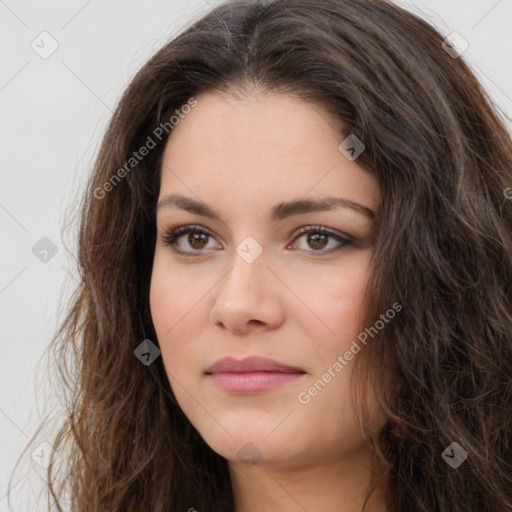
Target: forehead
(265, 147)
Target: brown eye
(193, 245)
(317, 241)
(198, 240)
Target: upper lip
(250, 364)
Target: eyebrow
(278, 212)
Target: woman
(296, 256)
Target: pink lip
(252, 374)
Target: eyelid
(319, 227)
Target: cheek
(346, 303)
(335, 294)
(179, 306)
(175, 294)
(163, 298)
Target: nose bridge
(248, 270)
(246, 293)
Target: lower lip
(252, 382)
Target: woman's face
(255, 286)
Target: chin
(255, 452)
(250, 443)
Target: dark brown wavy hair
(442, 369)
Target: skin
(295, 303)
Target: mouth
(252, 374)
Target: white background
(53, 114)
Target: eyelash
(172, 234)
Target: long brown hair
(442, 369)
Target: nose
(248, 298)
